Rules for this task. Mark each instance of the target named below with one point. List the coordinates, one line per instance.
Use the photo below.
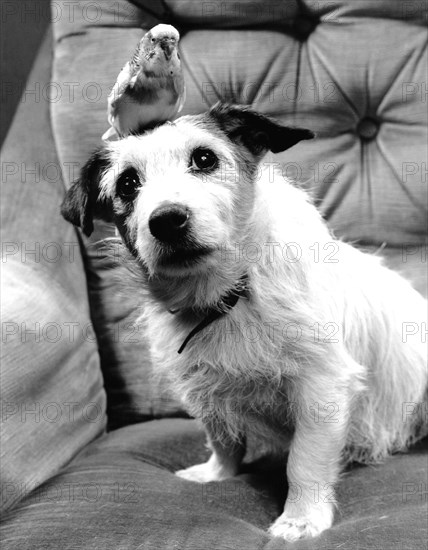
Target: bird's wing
(124, 77)
(136, 58)
(123, 80)
(182, 100)
(180, 88)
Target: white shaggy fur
(350, 389)
(314, 352)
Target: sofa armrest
(52, 395)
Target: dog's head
(182, 191)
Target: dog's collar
(224, 305)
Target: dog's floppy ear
(82, 201)
(254, 131)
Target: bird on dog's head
(150, 88)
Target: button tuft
(368, 128)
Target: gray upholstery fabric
(120, 493)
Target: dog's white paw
(203, 473)
(292, 529)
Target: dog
(265, 324)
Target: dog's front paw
(292, 529)
(208, 471)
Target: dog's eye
(128, 184)
(204, 160)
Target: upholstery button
(304, 26)
(368, 128)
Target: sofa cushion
(133, 393)
(120, 492)
(52, 396)
(334, 67)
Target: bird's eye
(153, 40)
(204, 160)
(128, 184)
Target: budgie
(150, 88)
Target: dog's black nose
(169, 223)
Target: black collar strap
(225, 304)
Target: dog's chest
(226, 373)
(235, 345)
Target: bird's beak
(167, 46)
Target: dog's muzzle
(169, 223)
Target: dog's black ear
(82, 201)
(256, 132)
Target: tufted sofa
(89, 441)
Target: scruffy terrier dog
(259, 333)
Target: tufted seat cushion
(120, 494)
